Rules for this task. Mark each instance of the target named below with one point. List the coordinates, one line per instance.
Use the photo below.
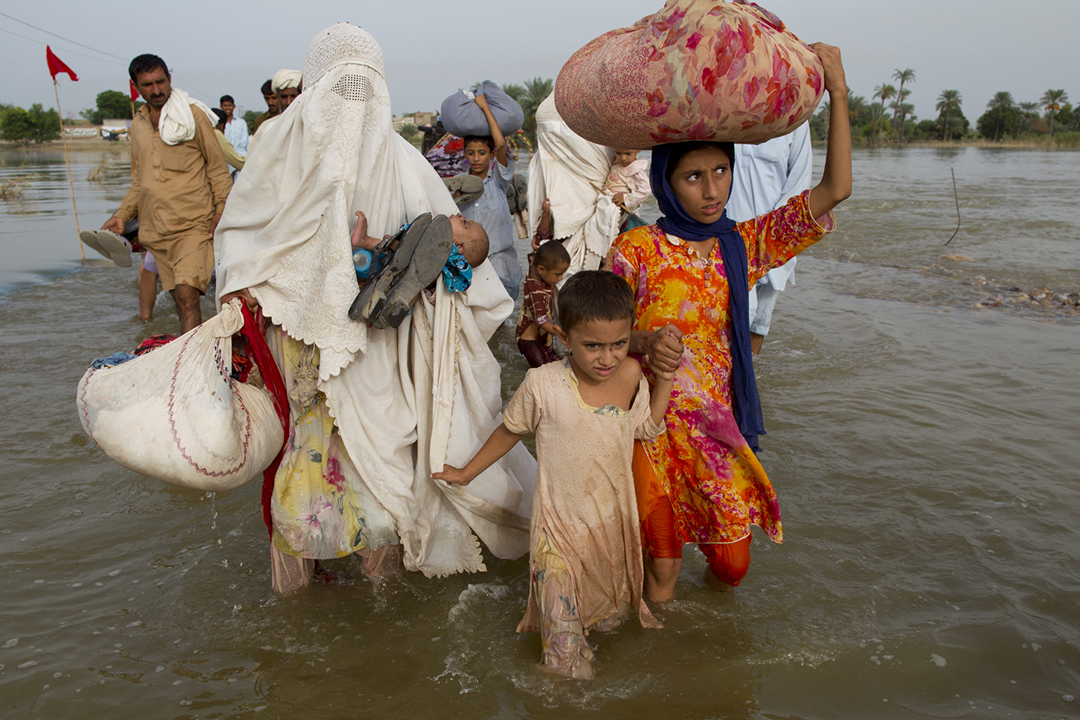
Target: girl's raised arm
(496, 132)
(835, 185)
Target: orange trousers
(659, 537)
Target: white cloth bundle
(571, 172)
(177, 123)
(175, 415)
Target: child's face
(552, 276)
(598, 347)
(701, 181)
(470, 238)
(479, 156)
(624, 157)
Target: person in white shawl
(570, 172)
(177, 123)
(400, 401)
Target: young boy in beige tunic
(585, 559)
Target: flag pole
(132, 91)
(71, 183)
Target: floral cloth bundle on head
(695, 70)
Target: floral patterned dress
(320, 507)
(716, 486)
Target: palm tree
(1002, 102)
(900, 110)
(1028, 112)
(536, 91)
(856, 106)
(885, 92)
(876, 111)
(1052, 100)
(903, 76)
(819, 122)
(515, 91)
(948, 101)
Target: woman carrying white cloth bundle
(570, 171)
(371, 411)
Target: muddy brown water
(924, 441)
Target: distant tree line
(889, 119)
(29, 126)
(1006, 118)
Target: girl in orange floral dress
(701, 482)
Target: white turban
(286, 79)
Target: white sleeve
(799, 166)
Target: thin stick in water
(957, 199)
(71, 184)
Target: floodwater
(924, 440)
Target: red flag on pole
(133, 90)
(57, 66)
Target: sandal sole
(116, 246)
(371, 299)
(109, 244)
(426, 266)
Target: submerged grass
(13, 187)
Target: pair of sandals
(109, 244)
(423, 247)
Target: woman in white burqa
(371, 411)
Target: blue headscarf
(676, 221)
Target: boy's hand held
(665, 350)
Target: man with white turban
(371, 411)
(286, 85)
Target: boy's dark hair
(486, 139)
(681, 150)
(222, 116)
(594, 295)
(144, 64)
(551, 255)
(268, 87)
(225, 99)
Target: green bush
(250, 117)
(33, 125)
(409, 131)
(111, 105)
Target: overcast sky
(434, 48)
